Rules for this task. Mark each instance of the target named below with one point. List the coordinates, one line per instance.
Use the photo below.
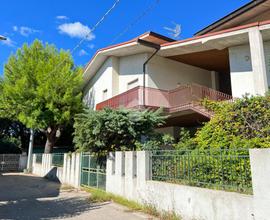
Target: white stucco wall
(132, 180)
(166, 74)
(69, 173)
(267, 59)
(241, 71)
(93, 93)
(131, 68)
(242, 79)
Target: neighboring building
(226, 59)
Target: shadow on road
(24, 197)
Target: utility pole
(30, 151)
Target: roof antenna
(176, 31)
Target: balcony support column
(258, 61)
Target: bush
(244, 123)
(9, 145)
(111, 130)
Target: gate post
(260, 169)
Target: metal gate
(9, 162)
(93, 171)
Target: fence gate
(9, 162)
(93, 171)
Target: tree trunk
(51, 139)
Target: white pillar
(260, 169)
(258, 61)
(30, 151)
(214, 79)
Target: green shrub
(10, 145)
(111, 130)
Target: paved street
(26, 197)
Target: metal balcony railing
(170, 100)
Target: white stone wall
(129, 174)
(68, 174)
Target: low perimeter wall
(128, 174)
(69, 173)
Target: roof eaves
(230, 16)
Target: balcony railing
(170, 100)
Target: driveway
(27, 197)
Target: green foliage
(185, 140)
(14, 129)
(110, 130)
(10, 145)
(244, 123)
(39, 92)
(36, 92)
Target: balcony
(186, 97)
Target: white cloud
(77, 30)
(25, 31)
(62, 17)
(91, 46)
(82, 52)
(15, 28)
(8, 42)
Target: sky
(65, 22)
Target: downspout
(144, 72)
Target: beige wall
(131, 68)
(242, 79)
(93, 93)
(115, 74)
(166, 74)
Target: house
(229, 58)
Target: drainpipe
(157, 48)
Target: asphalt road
(27, 197)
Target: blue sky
(64, 22)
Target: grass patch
(66, 187)
(99, 196)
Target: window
(105, 94)
(132, 84)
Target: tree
(11, 130)
(41, 88)
(111, 130)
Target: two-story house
(229, 58)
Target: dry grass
(99, 196)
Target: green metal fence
(58, 159)
(218, 169)
(38, 158)
(93, 171)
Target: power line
(88, 34)
(137, 19)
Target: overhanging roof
(123, 49)
(217, 40)
(246, 12)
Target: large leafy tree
(111, 130)
(41, 88)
